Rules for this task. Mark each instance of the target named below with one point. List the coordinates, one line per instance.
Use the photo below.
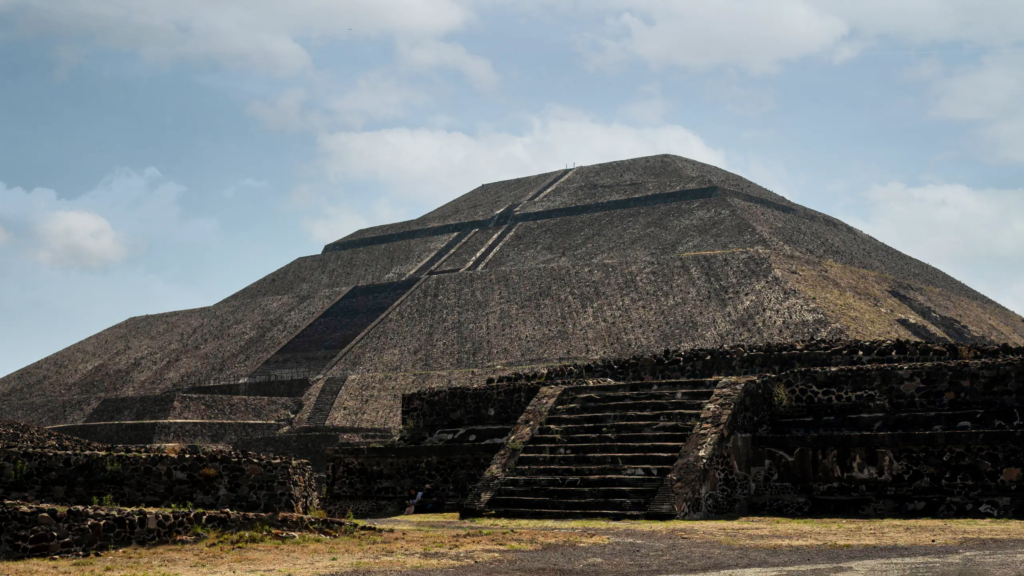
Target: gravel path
(667, 553)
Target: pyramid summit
(602, 261)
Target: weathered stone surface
(28, 530)
(157, 477)
(614, 260)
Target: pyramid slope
(607, 260)
(155, 353)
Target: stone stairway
(906, 448)
(603, 450)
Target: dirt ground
(442, 544)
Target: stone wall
(764, 359)
(28, 530)
(928, 439)
(373, 480)
(457, 408)
(203, 478)
(933, 385)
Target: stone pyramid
(600, 261)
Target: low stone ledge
(32, 531)
(214, 479)
(741, 360)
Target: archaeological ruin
(649, 338)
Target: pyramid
(602, 261)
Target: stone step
(561, 514)
(643, 426)
(515, 502)
(963, 420)
(324, 402)
(603, 448)
(641, 470)
(633, 407)
(657, 395)
(597, 459)
(582, 493)
(888, 439)
(684, 416)
(648, 386)
(585, 482)
(678, 438)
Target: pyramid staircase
(910, 450)
(603, 451)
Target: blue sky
(157, 156)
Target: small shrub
(514, 444)
(779, 396)
(114, 469)
(209, 474)
(107, 501)
(19, 471)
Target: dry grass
(764, 532)
(442, 541)
(409, 546)
(858, 300)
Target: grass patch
(413, 545)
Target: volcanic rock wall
(215, 479)
(32, 531)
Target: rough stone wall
(972, 475)
(737, 461)
(370, 480)
(931, 385)
(764, 359)
(28, 530)
(495, 405)
(214, 480)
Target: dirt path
(442, 544)
(760, 546)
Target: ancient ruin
(771, 359)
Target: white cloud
(434, 165)
(649, 109)
(375, 96)
(756, 35)
(125, 213)
(989, 23)
(243, 185)
(287, 114)
(428, 54)
(759, 35)
(975, 235)
(265, 35)
(334, 222)
(78, 239)
(991, 92)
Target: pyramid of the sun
(598, 261)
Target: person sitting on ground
(428, 501)
(415, 497)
